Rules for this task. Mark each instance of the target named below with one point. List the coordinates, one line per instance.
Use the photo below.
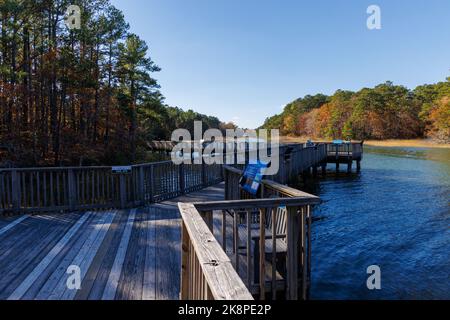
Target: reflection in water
(395, 214)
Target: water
(394, 214)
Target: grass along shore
(416, 143)
(413, 143)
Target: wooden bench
(281, 246)
(280, 230)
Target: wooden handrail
(207, 272)
(286, 190)
(270, 184)
(257, 203)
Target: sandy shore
(417, 143)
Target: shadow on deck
(121, 254)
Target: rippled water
(394, 214)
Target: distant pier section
(345, 153)
(308, 157)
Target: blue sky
(243, 60)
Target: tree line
(82, 96)
(386, 111)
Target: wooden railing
(269, 188)
(352, 150)
(267, 240)
(297, 158)
(207, 272)
(88, 188)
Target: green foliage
(347, 130)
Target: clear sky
(244, 60)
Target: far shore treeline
(79, 97)
(387, 111)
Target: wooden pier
(132, 254)
(346, 154)
(157, 231)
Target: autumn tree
(76, 97)
(386, 111)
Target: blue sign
(122, 170)
(253, 176)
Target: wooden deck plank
(5, 220)
(101, 280)
(54, 274)
(26, 284)
(116, 270)
(5, 228)
(131, 279)
(41, 236)
(60, 262)
(214, 193)
(136, 289)
(168, 255)
(23, 232)
(97, 275)
(23, 238)
(85, 256)
(149, 285)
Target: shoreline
(413, 143)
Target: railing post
(302, 247)
(222, 174)
(182, 179)
(262, 254)
(309, 251)
(123, 191)
(3, 193)
(141, 186)
(204, 177)
(151, 186)
(71, 189)
(15, 189)
(227, 184)
(184, 288)
(292, 233)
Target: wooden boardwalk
(122, 254)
